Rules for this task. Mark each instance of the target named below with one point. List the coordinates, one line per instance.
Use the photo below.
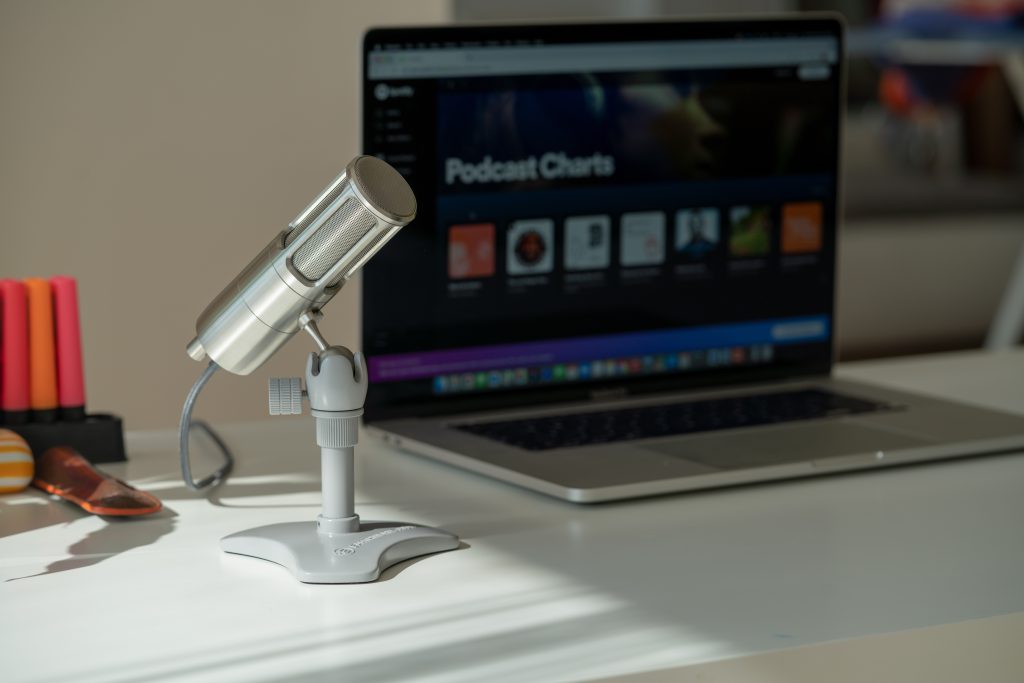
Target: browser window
(600, 211)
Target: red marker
(14, 393)
(70, 384)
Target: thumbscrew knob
(285, 395)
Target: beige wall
(152, 148)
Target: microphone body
(303, 267)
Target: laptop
(621, 279)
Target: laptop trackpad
(764, 448)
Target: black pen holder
(99, 438)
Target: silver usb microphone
(304, 266)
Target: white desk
(697, 585)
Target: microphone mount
(338, 547)
(307, 322)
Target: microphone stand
(337, 547)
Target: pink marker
(14, 393)
(70, 383)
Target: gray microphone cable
(185, 428)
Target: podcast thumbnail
(470, 251)
(588, 242)
(643, 238)
(801, 228)
(530, 247)
(697, 232)
(750, 231)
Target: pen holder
(99, 438)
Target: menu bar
(602, 57)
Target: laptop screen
(602, 208)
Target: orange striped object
(16, 464)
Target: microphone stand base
(357, 557)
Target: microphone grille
(333, 239)
(384, 188)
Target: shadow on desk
(115, 536)
(37, 512)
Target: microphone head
(305, 266)
(383, 189)
(380, 195)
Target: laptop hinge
(605, 394)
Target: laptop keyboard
(689, 417)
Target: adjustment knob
(285, 395)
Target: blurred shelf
(967, 46)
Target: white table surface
(674, 588)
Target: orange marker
(41, 357)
